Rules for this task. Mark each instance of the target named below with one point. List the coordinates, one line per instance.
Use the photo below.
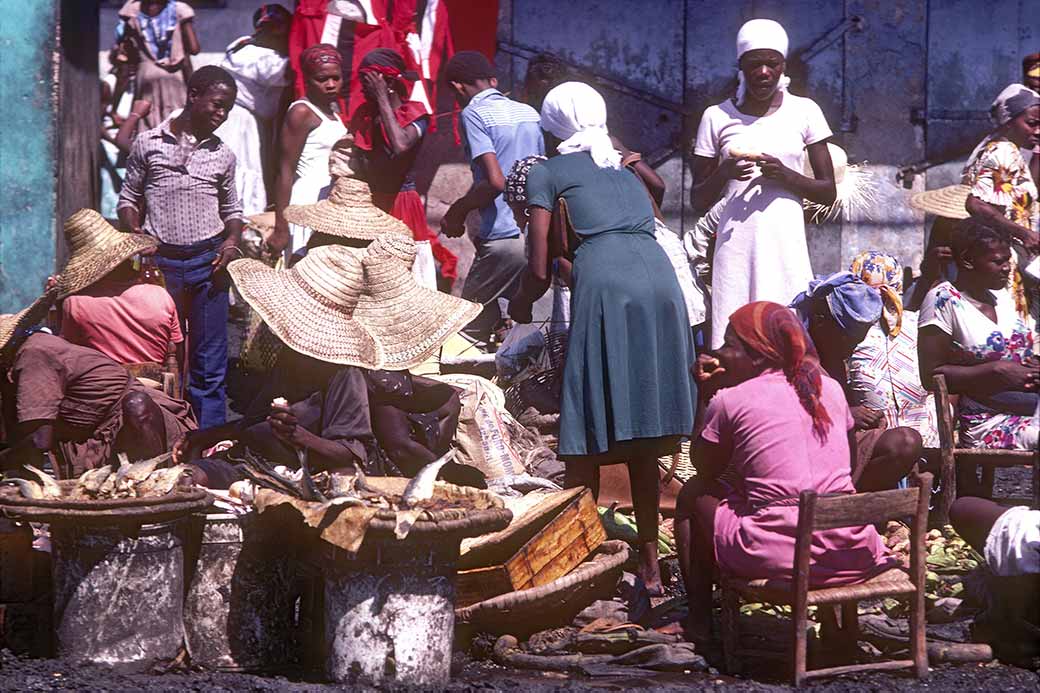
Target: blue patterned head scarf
(852, 302)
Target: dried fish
(28, 489)
(162, 481)
(420, 488)
(139, 471)
(49, 484)
(90, 481)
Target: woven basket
(679, 464)
(555, 604)
(260, 348)
(115, 511)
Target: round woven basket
(554, 604)
(115, 511)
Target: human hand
(1020, 377)
(706, 367)
(373, 84)
(141, 108)
(774, 169)
(279, 238)
(867, 419)
(227, 252)
(284, 423)
(453, 224)
(736, 169)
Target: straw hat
(11, 323)
(409, 321)
(944, 202)
(348, 213)
(311, 306)
(95, 249)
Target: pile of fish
(137, 480)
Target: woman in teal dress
(627, 391)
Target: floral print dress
(999, 175)
(977, 339)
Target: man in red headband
(388, 128)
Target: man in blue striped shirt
(497, 132)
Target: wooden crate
(552, 552)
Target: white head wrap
(758, 34)
(576, 113)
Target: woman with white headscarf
(627, 393)
(749, 152)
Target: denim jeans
(202, 306)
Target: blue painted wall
(27, 151)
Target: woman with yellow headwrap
(883, 371)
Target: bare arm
(710, 179)
(191, 41)
(298, 124)
(35, 440)
(820, 188)
(401, 140)
(993, 216)
(934, 354)
(480, 195)
(711, 458)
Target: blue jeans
(202, 306)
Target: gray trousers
(495, 273)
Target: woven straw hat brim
(362, 222)
(409, 321)
(944, 202)
(301, 319)
(11, 323)
(110, 249)
(263, 222)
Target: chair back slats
(847, 510)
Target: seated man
(776, 425)
(82, 403)
(971, 333)
(107, 306)
(838, 312)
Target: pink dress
(774, 456)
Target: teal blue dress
(627, 375)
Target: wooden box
(553, 538)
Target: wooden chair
(166, 375)
(817, 513)
(952, 459)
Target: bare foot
(649, 569)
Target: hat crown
(86, 228)
(333, 275)
(401, 248)
(347, 191)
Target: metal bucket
(118, 593)
(238, 612)
(389, 614)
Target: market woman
(627, 392)
(1003, 194)
(312, 126)
(749, 152)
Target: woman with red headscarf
(312, 126)
(388, 128)
(775, 425)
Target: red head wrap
(321, 54)
(776, 333)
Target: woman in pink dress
(779, 427)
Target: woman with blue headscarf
(838, 312)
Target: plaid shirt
(186, 193)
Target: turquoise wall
(28, 164)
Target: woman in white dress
(260, 66)
(312, 126)
(750, 152)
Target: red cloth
(776, 333)
(408, 207)
(364, 120)
(305, 31)
(127, 324)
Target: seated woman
(972, 334)
(838, 313)
(779, 427)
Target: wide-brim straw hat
(348, 213)
(95, 249)
(311, 307)
(410, 321)
(11, 323)
(944, 202)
